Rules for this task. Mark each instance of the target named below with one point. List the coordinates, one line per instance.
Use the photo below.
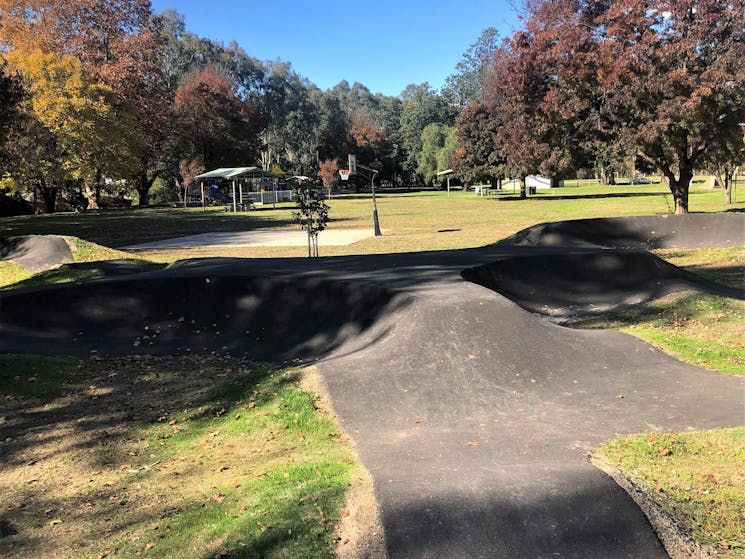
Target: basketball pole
(353, 166)
(376, 223)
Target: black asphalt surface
(474, 416)
(36, 253)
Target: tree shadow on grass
(101, 399)
(549, 197)
(126, 227)
(88, 416)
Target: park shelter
(446, 173)
(248, 185)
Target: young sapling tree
(312, 213)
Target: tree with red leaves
(328, 171)
(217, 128)
(661, 79)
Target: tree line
(102, 99)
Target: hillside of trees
(104, 100)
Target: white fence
(268, 197)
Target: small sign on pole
(352, 164)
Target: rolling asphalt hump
(474, 413)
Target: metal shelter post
(201, 184)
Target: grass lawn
(410, 221)
(722, 265)
(169, 458)
(13, 275)
(697, 477)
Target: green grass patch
(24, 376)
(13, 275)
(697, 477)
(58, 275)
(86, 251)
(705, 330)
(722, 265)
(172, 458)
(411, 221)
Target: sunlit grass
(701, 329)
(411, 221)
(722, 265)
(697, 477)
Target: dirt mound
(644, 232)
(36, 253)
(258, 318)
(573, 284)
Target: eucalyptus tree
(421, 106)
(471, 72)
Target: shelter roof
(229, 172)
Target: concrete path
(288, 238)
(474, 416)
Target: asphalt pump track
(473, 410)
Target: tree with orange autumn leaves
(110, 46)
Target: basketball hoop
(345, 174)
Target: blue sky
(383, 44)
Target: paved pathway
(329, 237)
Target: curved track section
(261, 318)
(474, 416)
(645, 232)
(478, 418)
(567, 285)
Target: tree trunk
(144, 194)
(92, 193)
(143, 189)
(49, 195)
(679, 188)
(727, 188)
(724, 178)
